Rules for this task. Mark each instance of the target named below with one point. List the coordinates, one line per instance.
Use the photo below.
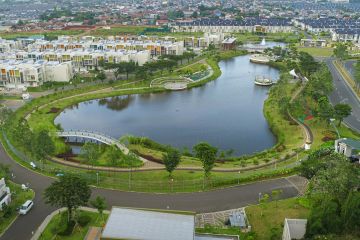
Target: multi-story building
(5, 195)
(346, 35)
(27, 73)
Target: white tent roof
(292, 73)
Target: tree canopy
(69, 191)
(207, 154)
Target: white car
(26, 207)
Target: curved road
(217, 200)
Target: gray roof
(124, 223)
(237, 219)
(351, 142)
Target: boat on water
(263, 81)
(259, 58)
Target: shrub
(68, 230)
(8, 211)
(83, 220)
(256, 162)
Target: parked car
(25, 208)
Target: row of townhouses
(344, 30)
(29, 73)
(263, 25)
(34, 61)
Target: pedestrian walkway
(94, 233)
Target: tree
(113, 155)
(307, 64)
(69, 191)
(23, 135)
(326, 111)
(171, 160)
(5, 115)
(207, 154)
(337, 179)
(324, 218)
(90, 152)
(101, 76)
(42, 145)
(340, 51)
(100, 204)
(350, 212)
(129, 67)
(264, 199)
(342, 111)
(275, 195)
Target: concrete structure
(150, 224)
(348, 147)
(5, 195)
(294, 229)
(313, 42)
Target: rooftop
(125, 223)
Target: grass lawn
(268, 219)
(18, 197)
(79, 232)
(317, 52)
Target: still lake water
(227, 112)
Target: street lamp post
(239, 178)
(97, 178)
(259, 197)
(332, 120)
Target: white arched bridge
(99, 137)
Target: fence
(134, 181)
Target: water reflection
(227, 113)
(117, 103)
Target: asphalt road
(217, 200)
(349, 65)
(343, 94)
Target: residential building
(346, 34)
(348, 147)
(313, 42)
(229, 44)
(5, 194)
(294, 229)
(27, 73)
(265, 25)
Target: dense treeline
(333, 193)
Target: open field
(317, 52)
(267, 220)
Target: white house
(5, 195)
(294, 229)
(348, 147)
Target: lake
(227, 112)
